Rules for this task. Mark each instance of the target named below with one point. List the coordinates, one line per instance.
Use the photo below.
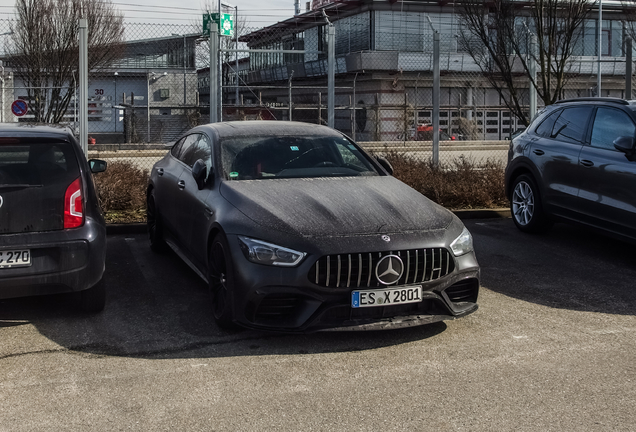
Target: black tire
(155, 227)
(221, 280)
(93, 299)
(526, 207)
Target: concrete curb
(141, 228)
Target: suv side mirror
(384, 163)
(199, 173)
(625, 144)
(97, 165)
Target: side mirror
(625, 144)
(199, 173)
(97, 165)
(385, 164)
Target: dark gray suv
(576, 162)
(52, 232)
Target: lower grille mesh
(358, 269)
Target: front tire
(525, 206)
(221, 280)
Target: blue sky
(259, 13)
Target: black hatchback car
(52, 232)
(295, 228)
(576, 162)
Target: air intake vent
(464, 291)
(358, 269)
(277, 306)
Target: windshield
(265, 157)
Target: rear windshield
(37, 164)
(266, 157)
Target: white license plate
(386, 297)
(15, 258)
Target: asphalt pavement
(551, 348)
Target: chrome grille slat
(435, 263)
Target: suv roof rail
(595, 99)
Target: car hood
(336, 206)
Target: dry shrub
(122, 187)
(461, 184)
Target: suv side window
(545, 128)
(571, 125)
(610, 124)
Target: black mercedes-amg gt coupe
(295, 228)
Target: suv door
(608, 178)
(555, 152)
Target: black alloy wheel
(155, 229)
(221, 280)
(526, 207)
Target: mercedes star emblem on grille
(386, 238)
(389, 269)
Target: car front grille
(358, 269)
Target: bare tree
(497, 35)
(44, 49)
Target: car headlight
(261, 252)
(462, 244)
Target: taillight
(73, 205)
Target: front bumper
(285, 299)
(62, 261)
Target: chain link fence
(157, 86)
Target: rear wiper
(19, 186)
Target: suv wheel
(525, 205)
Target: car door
(608, 180)
(555, 152)
(194, 212)
(166, 177)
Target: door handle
(587, 163)
(538, 152)
(160, 171)
(181, 184)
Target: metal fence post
(83, 84)
(331, 80)
(214, 73)
(436, 94)
(290, 95)
(628, 68)
(533, 75)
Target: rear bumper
(62, 261)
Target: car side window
(187, 149)
(201, 149)
(610, 124)
(545, 127)
(176, 148)
(571, 125)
